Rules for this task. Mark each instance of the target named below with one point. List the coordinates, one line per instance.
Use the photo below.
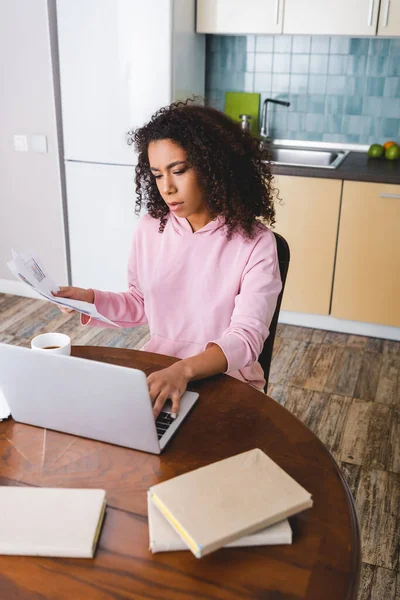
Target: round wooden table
(230, 417)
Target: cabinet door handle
(371, 12)
(386, 17)
(397, 196)
(277, 11)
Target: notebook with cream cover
(50, 521)
(163, 538)
(215, 505)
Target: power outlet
(38, 143)
(20, 143)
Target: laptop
(86, 398)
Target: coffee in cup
(57, 343)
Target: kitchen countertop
(355, 167)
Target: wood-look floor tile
(303, 334)
(377, 583)
(351, 474)
(354, 438)
(44, 313)
(366, 578)
(329, 427)
(368, 376)
(278, 392)
(313, 372)
(370, 436)
(377, 448)
(5, 339)
(318, 336)
(295, 351)
(357, 341)
(20, 341)
(285, 331)
(388, 388)
(119, 338)
(374, 345)
(315, 410)
(393, 463)
(391, 347)
(63, 323)
(378, 502)
(297, 401)
(305, 367)
(18, 313)
(384, 584)
(282, 360)
(143, 341)
(83, 336)
(277, 344)
(294, 332)
(137, 335)
(335, 338)
(343, 375)
(8, 301)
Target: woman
(203, 272)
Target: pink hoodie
(193, 288)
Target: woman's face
(177, 182)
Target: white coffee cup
(56, 343)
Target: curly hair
(233, 169)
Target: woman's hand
(74, 293)
(168, 383)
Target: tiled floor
(346, 388)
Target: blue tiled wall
(340, 89)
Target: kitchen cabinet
(367, 274)
(308, 219)
(235, 16)
(311, 17)
(342, 17)
(389, 18)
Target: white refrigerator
(120, 61)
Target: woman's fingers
(160, 397)
(66, 310)
(75, 293)
(176, 401)
(159, 403)
(164, 384)
(65, 292)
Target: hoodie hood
(182, 226)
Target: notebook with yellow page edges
(163, 538)
(217, 504)
(50, 521)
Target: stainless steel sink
(307, 157)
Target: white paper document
(28, 268)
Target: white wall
(31, 184)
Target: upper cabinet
(311, 17)
(341, 17)
(389, 18)
(236, 16)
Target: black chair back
(284, 259)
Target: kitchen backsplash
(340, 89)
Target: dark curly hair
(233, 170)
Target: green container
(243, 103)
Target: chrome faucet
(264, 133)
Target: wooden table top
(230, 417)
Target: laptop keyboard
(163, 421)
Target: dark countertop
(355, 167)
